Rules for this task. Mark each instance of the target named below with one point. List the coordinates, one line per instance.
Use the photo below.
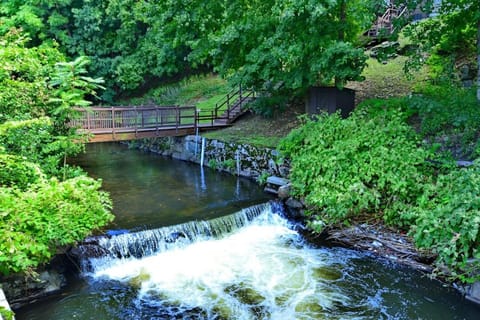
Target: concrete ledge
(473, 293)
(3, 302)
(274, 183)
(277, 181)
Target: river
(198, 244)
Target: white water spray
(202, 153)
(237, 158)
(260, 270)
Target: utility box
(330, 99)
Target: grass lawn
(386, 80)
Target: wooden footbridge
(104, 124)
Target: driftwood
(383, 242)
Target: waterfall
(149, 242)
(248, 265)
(202, 154)
(237, 158)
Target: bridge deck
(128, 123)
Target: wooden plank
(108, 137)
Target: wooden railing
(123, 119)
(225, 111)
(235, 99)
(123, 123)
(385, 22)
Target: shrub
(35, 141)
(447, 221)
(370, 165)
(15, 171)
(446, 109)
(348, 167)
(34, 223)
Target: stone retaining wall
(238, 159)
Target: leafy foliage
(131, 42)
(452, 35)
(345, 168)
(449, 116)
(6, 314)
(71, 87)
(370, 166)
(280, 42)
(37, 212)
(24, 91)
(50, 214)
(16, 172)
(447, 221)
(36, 141)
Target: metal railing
(121, 119)
(133, 119)
(235, 100)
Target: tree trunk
(341, 33)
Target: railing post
(89, 125)
(195, 119)
(113, 123)
(156, 119)
(136, 120)
(177, 113)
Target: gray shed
(330, 99)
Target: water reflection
(151, 191)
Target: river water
(196, 244)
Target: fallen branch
(383, 242)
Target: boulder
(284, 191)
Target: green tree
(453, 30)
(42, 20)
(130, 43)
(24, 71)
(71, 87)
(39, 213)
(296, 43)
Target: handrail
(386, 20)
(234, 99)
